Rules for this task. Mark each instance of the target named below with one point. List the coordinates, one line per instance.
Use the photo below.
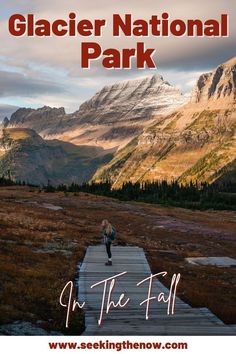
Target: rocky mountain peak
(26, 114)
(40, 119)
(52, 111)
(219, 85)
(131, 100)
(144, 81)
(19, 115)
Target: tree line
(193, 195)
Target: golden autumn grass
(31, 282)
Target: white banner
(116, 344)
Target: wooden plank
(131, 319)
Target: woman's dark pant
(108, 248)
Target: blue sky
(46, 71)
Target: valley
(30, 158)
(48, 243)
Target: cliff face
(196, 142)
(109, 119)
(217, 87)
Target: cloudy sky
(46, 71)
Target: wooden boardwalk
(130, 320)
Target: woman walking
(109, 234)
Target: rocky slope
(218, 87)
(28, 157)
(109, 119)
(131, 101)
(196, 142)
(42, 120)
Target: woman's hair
(106, 226)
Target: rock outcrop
(23, 328)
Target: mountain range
(131, 131)
(197, 142)
(109, 119)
